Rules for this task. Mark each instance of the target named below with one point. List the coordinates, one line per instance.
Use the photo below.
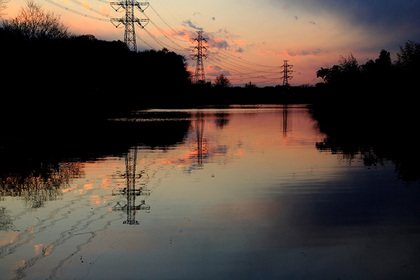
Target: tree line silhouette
(370, 110)
(378, 81)
(51, 74)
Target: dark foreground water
(234, 193)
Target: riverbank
(372, 133)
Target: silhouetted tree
(329, 75)
(409, 56)
(250, 85)
(346, 72)
(349, 65)
(384, 60)
(33, 22)
(222, 81)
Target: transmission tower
(129, 20)
(286, 73)
(199, 75)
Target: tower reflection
(130, 191)
(199, 130)
(285, 125)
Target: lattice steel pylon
(286, 71)
(129, 20)
(199, 75)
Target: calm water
(234, 193)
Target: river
(213, 193)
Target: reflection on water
(213, 193)
(37, 188)
(130, 191)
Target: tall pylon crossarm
(129, 20)
(140, 6)
(118, 5)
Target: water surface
(214, 193)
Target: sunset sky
(249, 40)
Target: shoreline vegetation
(55, 83)
(48, 69)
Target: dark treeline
(73, 78)
(82, 74)
(370, 110)
(53, 78)
(376, 83)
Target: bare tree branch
(33, 22)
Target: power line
(233, 70)
(251, 69)
(89, 8)
(244, 61)
(265, 75)
(155, 39)
(166, 35)
(170, 27)
(144, 42)
(75, 11)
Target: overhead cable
(75, 11)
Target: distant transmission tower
(199, 75)
(129, 20)
(286, 73)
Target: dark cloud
(189, 23)
(221, 39)
(215, 71)
(305, 52)
(399, 17)
(214, 68)
(219, 43)
(374, 11)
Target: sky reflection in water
(245, 195)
